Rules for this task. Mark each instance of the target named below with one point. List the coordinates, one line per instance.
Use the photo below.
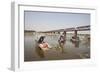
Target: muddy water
(71, 50)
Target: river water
(80, 50)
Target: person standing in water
(62, 41)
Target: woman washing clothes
(42, 44)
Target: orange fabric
(44, 45)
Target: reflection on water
(40, 52)
(73, 50)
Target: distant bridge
(80, 28)
(75, 29)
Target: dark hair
(41, 39)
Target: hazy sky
(44, 21)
